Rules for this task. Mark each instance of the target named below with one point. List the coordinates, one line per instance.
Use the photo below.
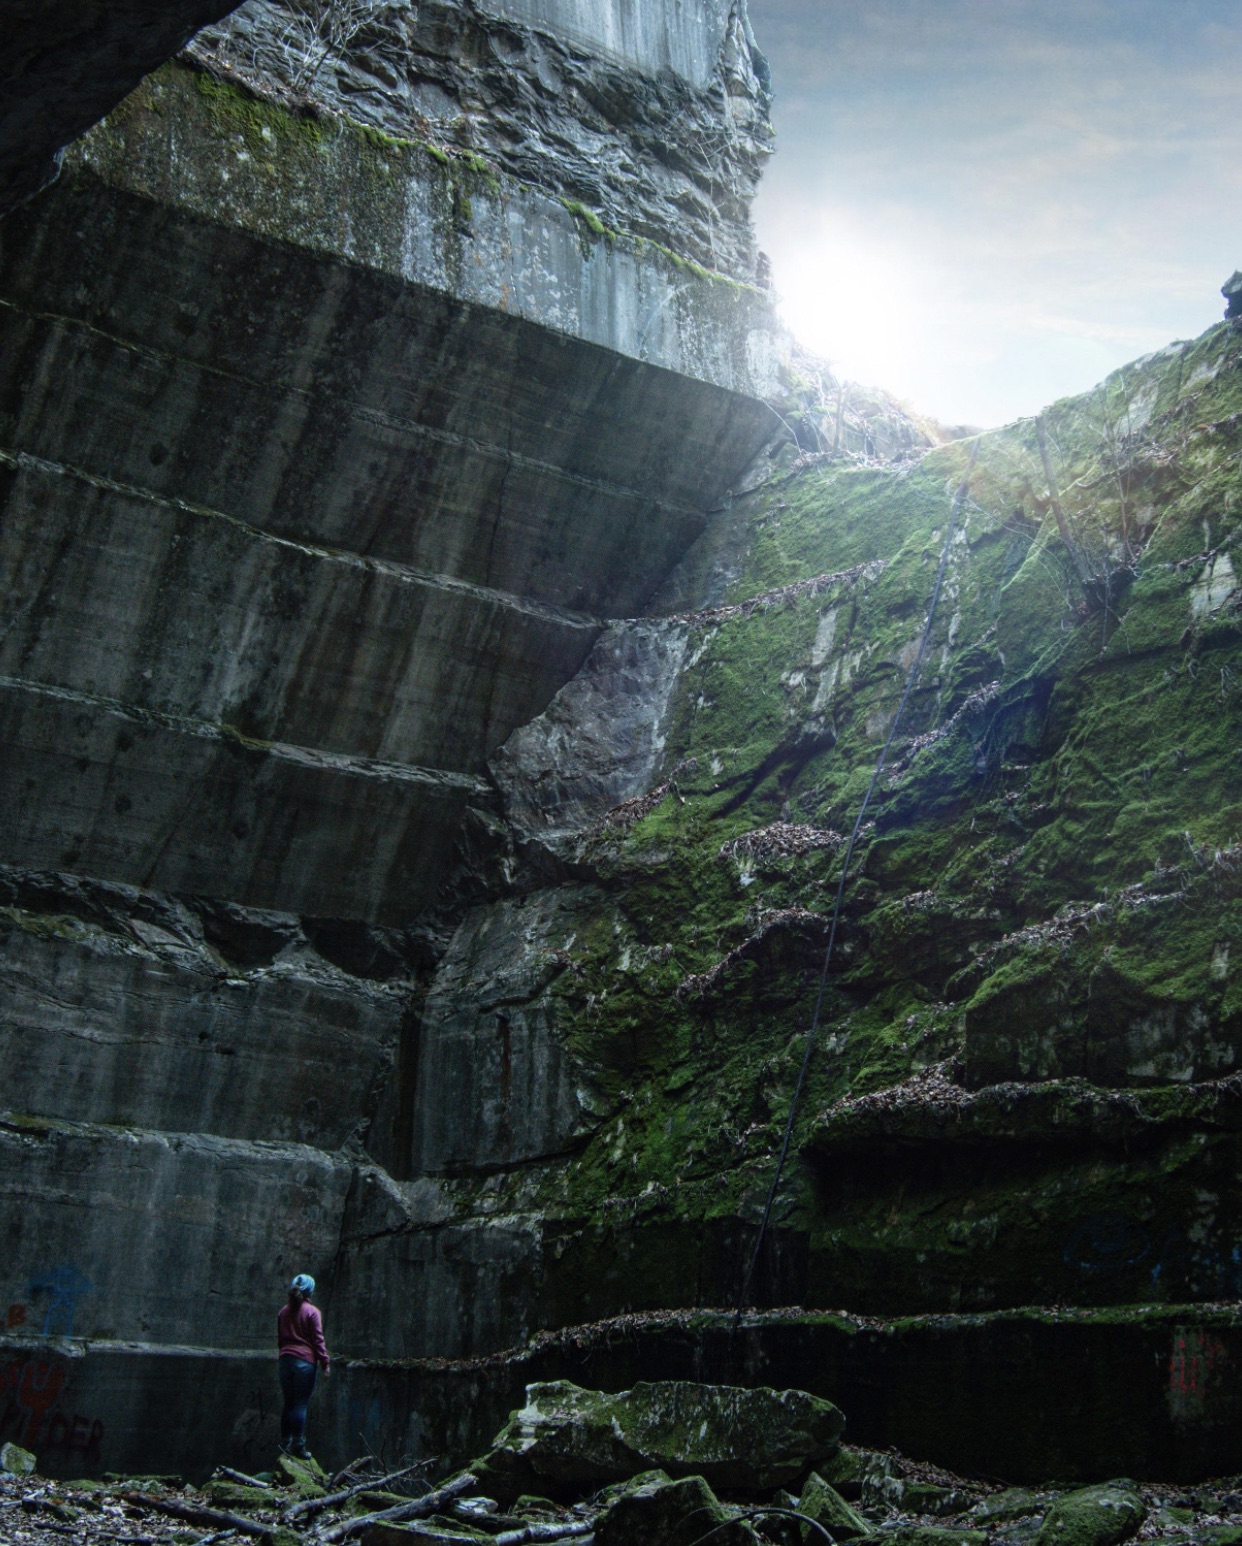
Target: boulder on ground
(930, 1535)
(16, 1461)
(667, 1513)
(860, 1474)
(306, 1475)
(1013, 1503)
(568, 1439)
(1103, 1515)
(826, 1506)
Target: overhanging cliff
(429, 772)
(326, 454)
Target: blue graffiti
(1109, 1242)
(63, 1286)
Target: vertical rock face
(333, 433)
(424, 783)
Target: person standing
(302, 1351)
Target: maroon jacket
(300, 1333)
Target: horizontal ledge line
(376, 416)
(282, 751)
(483, 594)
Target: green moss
(1061, 772)
(385, 141)
(265, 125)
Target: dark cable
(954, 510)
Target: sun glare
(852, 301)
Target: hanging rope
(954, 510)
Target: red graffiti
(32, 1417)
(1196, 1367)
(76, 1435)
(38, 1385)
(1195, 1358)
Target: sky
(984, 205)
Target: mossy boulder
(306, 1476)
(928, 1535)
(566, 1438)
(609, 1495)
(236, 1495)
(825, 1505)
(1013, 1503)
(918, 1497)
(670, 1513)
(16, 1461)
(857, 1473)
(1103, 1515)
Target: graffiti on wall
(1117, 1245)
(59, 1291)
(51, 1302)
(1199, 1367)
(35, 1412)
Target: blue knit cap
(304, 1283)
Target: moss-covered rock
(1045, 893)
(670, 1513)
(305, 1476)
(927, 1535)
(825, 1505)
(573, 1439)
(1103, 1515)
(16, 1461)
(1012, 1503)
(235, 1495)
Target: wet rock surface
(669, 1513)
(311, 454)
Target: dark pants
(297, 1381)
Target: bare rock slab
(568, 1438)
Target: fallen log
(196, 1515)
(552, 1531)
(350, 1470)
(231, 1475)
(332, 1499)
(416, 1508)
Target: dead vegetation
(781, 840)
(295, 1504)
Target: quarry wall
(434, 706)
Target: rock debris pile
(670, 1463)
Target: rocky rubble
(574, 1442)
